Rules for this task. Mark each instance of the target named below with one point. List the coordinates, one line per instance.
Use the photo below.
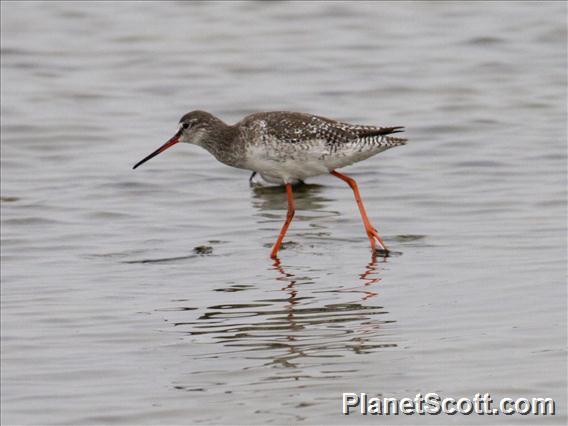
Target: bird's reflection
(287, 329)
(319, 318)
(369, 278)
(361, 342)
(292, 291)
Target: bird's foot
(377, 244)
(381, 252)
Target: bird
(286, 148)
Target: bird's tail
(380, 131)
(380, 135)
(376, 138)
(392, 142)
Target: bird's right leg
(369, 228)
(289, 217)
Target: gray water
(148, 296)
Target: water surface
(148, 296)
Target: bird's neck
(219, 141)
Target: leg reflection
(341, 324)
(369, 276)
(294, 351)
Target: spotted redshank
(286, 148)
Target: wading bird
(286, 148)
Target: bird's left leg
(289, 217)
(252, 177)
(371, 231)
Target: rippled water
(148, 296)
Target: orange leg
(371, 231)
(289, 217)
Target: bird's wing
(292, 127)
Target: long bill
(165, 146)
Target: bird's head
(193, 128)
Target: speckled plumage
(285, 147)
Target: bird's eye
(185, 125)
